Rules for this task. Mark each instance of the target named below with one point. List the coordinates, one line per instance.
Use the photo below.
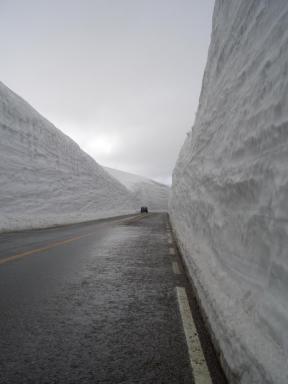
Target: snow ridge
(146, 192)
(45, 178)
(229, 201)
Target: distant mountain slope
(45, 178)
(146, 191)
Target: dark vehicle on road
(144, 209)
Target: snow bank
(45, 178)
(145, 191)
(229, 204)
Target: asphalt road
(95, 303)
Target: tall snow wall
(229, 203)
(45, 178)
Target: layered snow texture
(229, 204)
(45, 178)
(146, 192)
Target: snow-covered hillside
(229, 204)
(145, 191)
(45, 178)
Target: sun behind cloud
(102, 145)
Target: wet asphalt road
(100, 308)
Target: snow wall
(229, 203)
(45, 178)
(146, 192)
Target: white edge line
(199, 366)
(171, 251)
(176, 268)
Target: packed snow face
(145, 191)
(229, 204)
(45, 178)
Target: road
(100, 302)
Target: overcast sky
(120, 77)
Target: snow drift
(45, 178)
(229, 204)
(145, 191)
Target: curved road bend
(97, 303)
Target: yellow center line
(41, 249)
(18, 256)
(136, 218)
(127, 220)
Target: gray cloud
(122, 78)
